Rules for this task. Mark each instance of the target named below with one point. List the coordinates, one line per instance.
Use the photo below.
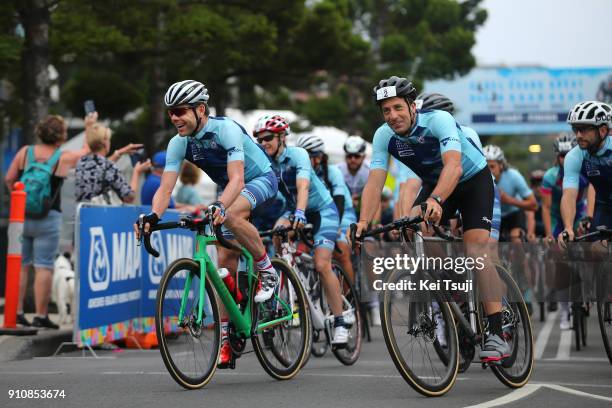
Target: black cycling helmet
(436, 101)
(394, 86)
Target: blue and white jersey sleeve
(444, 128)
(571, 168)
(380, 145)
(231, 139)
(472, 137)
(302, 161)
(175, 153)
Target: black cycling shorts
(473, 198)
(511, 221)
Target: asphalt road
(562, 378)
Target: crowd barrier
(117, 280)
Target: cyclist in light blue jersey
(592, 158)
(414, 190)
(552, 190)
(224, 150)
(355, 168)
(516, 196)
(308, 200)
(332, 178)
(435, 148)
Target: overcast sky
(552, 33)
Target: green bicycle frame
(242, 320)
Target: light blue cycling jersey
(219, 142)
(596, 168)
(404, 173)
(512, 183)
(292, 164)
(435, 133)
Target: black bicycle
(427, 332)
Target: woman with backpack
(42, 167)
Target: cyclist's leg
(326, 226)
(255, 192)
(344, 258)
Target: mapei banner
(522, 100)
(117, 280)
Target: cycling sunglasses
(582, 128)
(178, 111)
(267, 138)
(354, 156)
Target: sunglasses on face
(267, 138)
(351, 156)
(582, 128)
(178, 112)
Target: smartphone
(89, 106)
(137, 156)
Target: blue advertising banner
(523, 100)
(117, 280)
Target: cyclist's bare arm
(450, 175)
(162, 196)
(568, 207)
(235, 174)
(302, 185)
(409, 191)
(546, 219)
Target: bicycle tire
(514, 313)
(265, 343)
(604, 315)
(349, 354)
(171, 335)
(419, 320)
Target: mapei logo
(98, 271)
(157, 266)
(171, 248)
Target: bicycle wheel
(282, 348)
(409, 323)
(350, 304)
(516, 370)
(189, 350)
(604, 315)
(319, 343)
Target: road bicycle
(187, 320)
(322, 318)
(604, 296)
(427, 332)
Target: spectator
(41, 233)
(187, 193)
(96, 174)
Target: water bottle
(230, 283)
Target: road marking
(530, 389)
(31, 373)
(580, 359)
(544, 334)
(515, 395)
(565, 344)
(573, 384)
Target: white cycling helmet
(590, 113)
(492, 152)
(354, 145)
(312, 143)
(187, 92)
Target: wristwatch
(437, 198)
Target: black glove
(151, 218)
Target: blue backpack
(37, 180)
